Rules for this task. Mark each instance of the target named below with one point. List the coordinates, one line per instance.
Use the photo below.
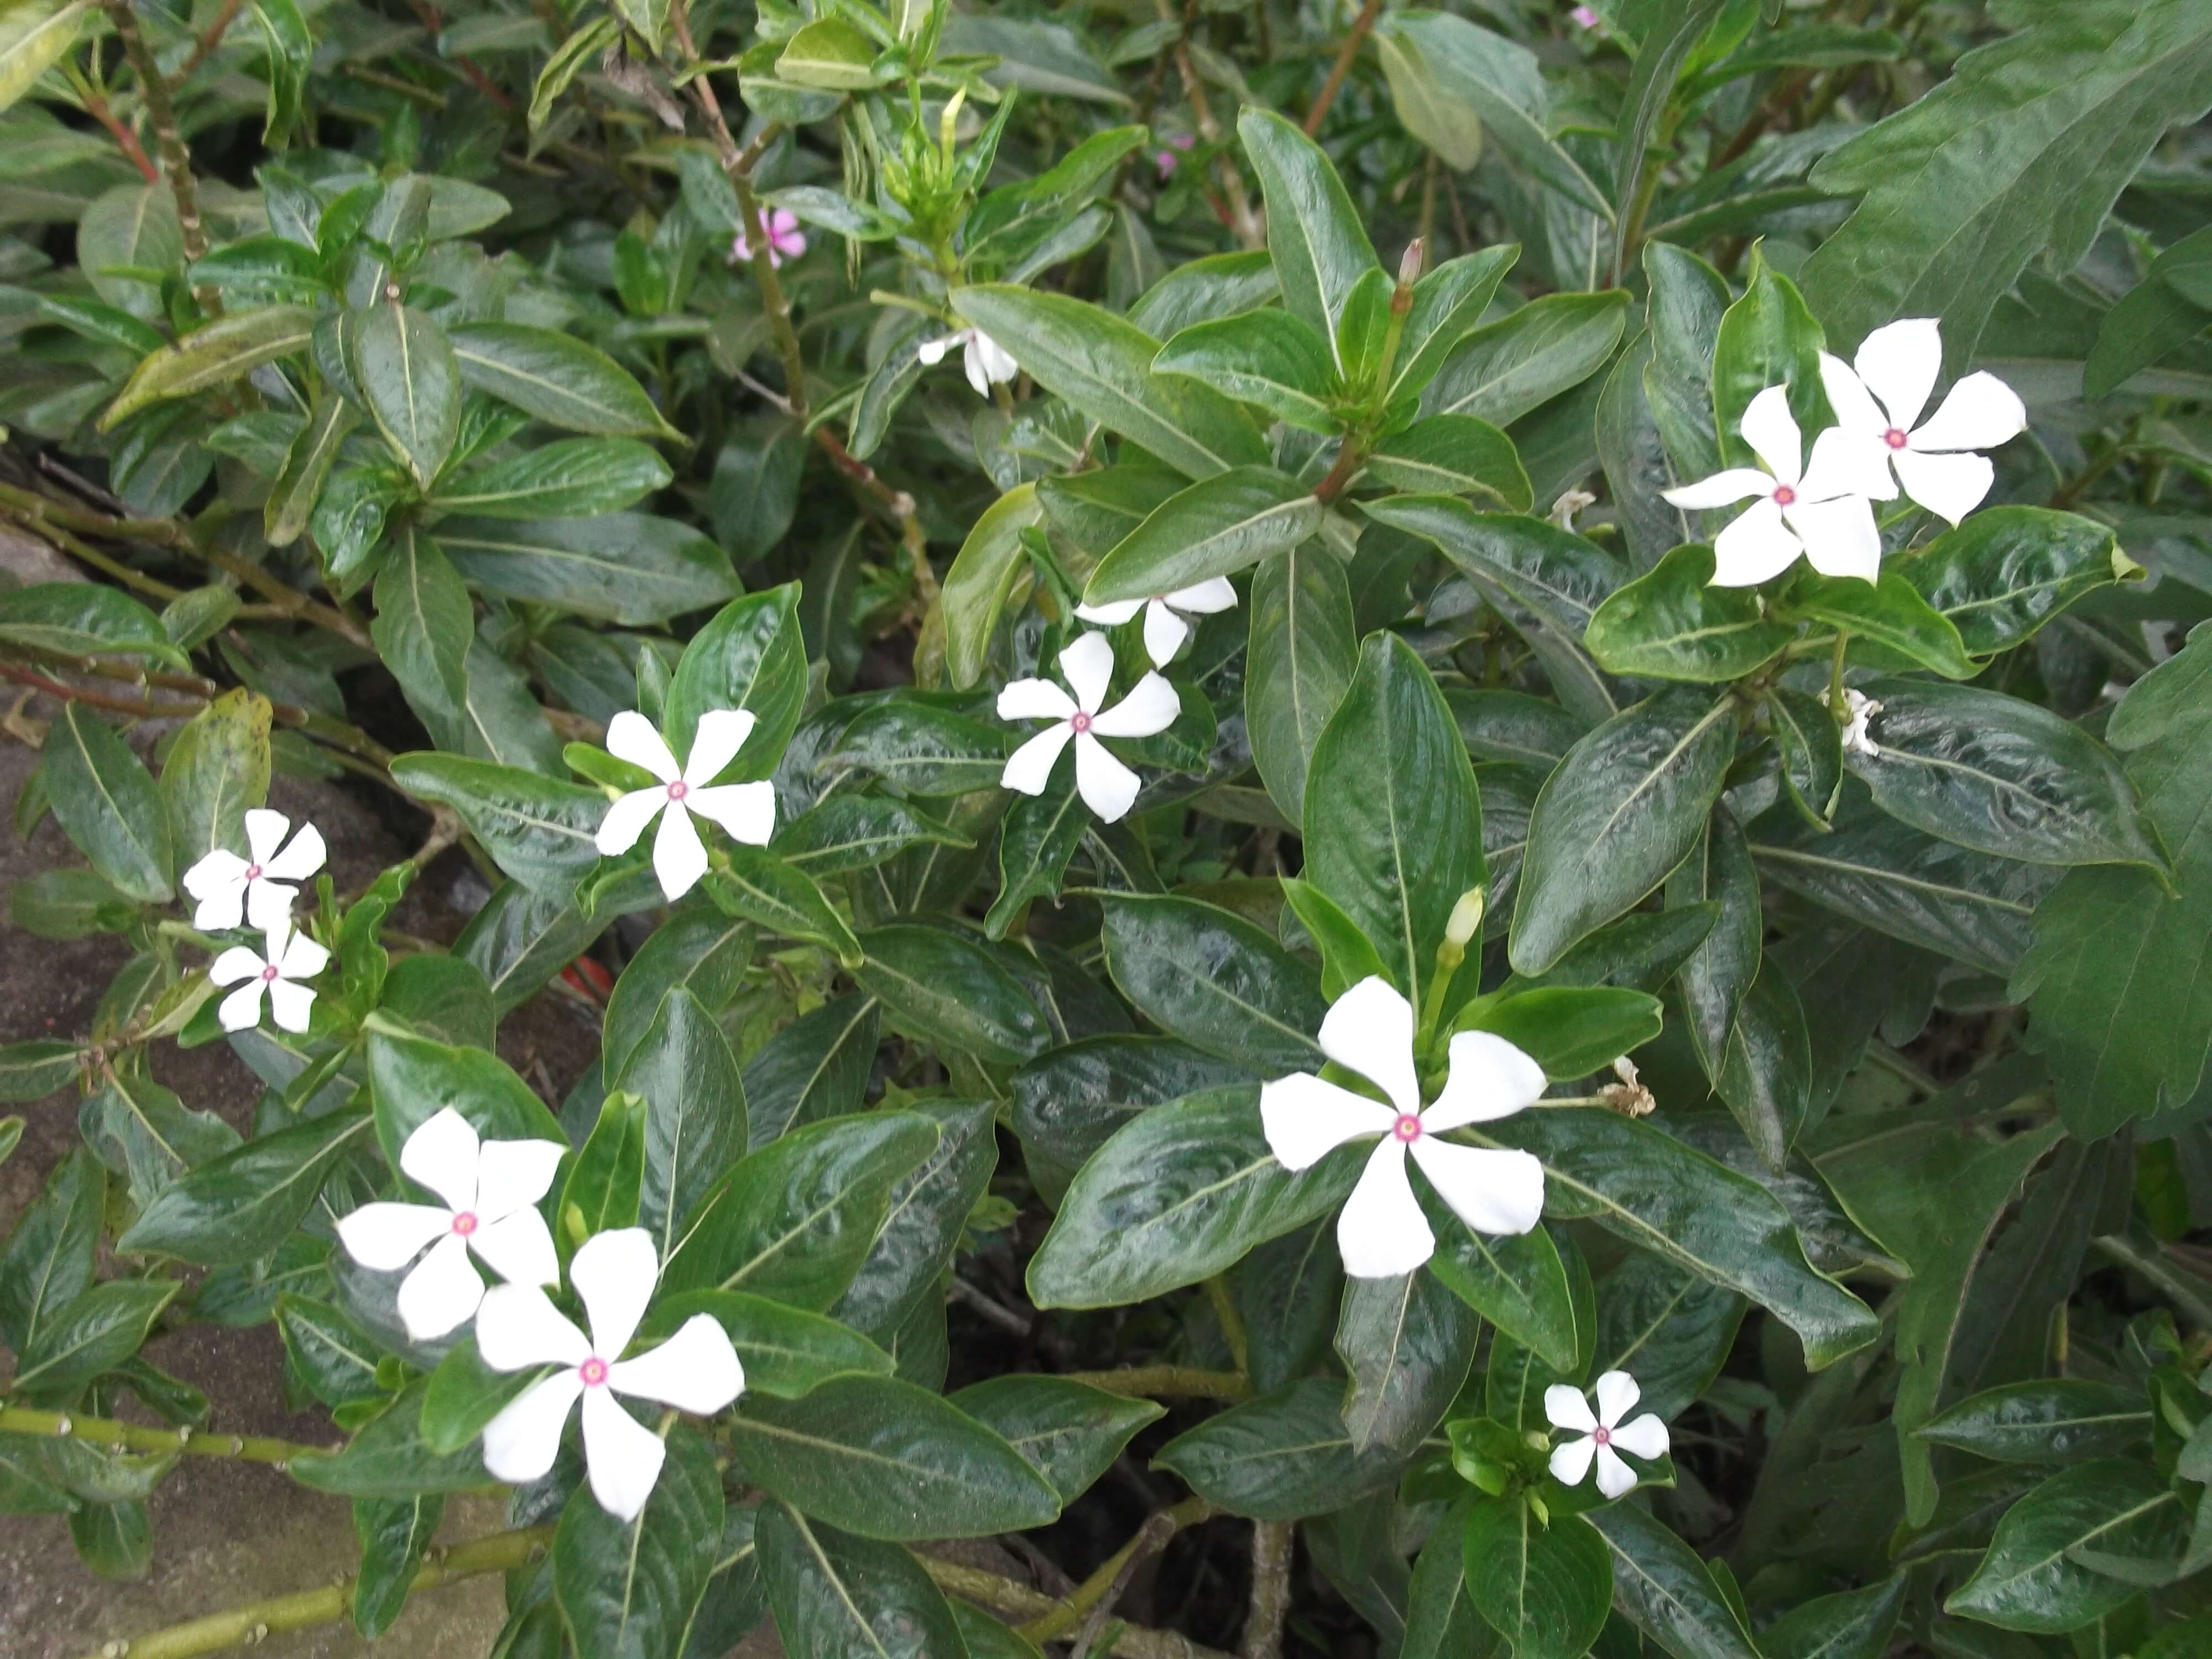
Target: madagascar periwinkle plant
(1382, 832)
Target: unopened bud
(1409, 266)
(1466, 919)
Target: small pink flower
(1168, 159)
(1583, 18)
(785, 239)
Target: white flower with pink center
(1879, 395)
(747, 810)
(1816, 508)
(695, 1370)
(988, 363)
(256, 889)
(1108, 788)
(292, 956)
(1164, 630)
(491, 1189)
(1381, 1232)
(1603, 1436)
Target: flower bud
(1409, 266)
(1466, 919)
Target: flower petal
(626, 819)
(1165, 633)
(722, 733)
(1490, 1077)
(1570, 1460)
(1721, 488)
(519, 1248)
(1151, 707)
(695, 1371)
(1615, 1478)
(1753, 548)
(264, 833)
(931, 352)
(1949, 486)
(238, 963)
(621, 1454)
(241, 1009)
(1847, 464)
(1112, 614)
(291, 1005)
(518, 1324)
(222, 910)
(1840, 536)
(512, 1175)
(1617, 1394)
(385, 1238)
(442, 1293)
(520, 1443)
(1771, 431)
(1035, 700)
(1644, 1437)
(1980, 412)
(631, 737)
(1306, 1118)
(221, 871)
(1204, 598)
(679, 857)
(746, 810)
(299, 860)
(1856, 412)
(977, 368)
(615, 1273)
(1383, 1232)
(268, 906)
(441, 1154)
(1028, 769)
(1087, 665)
(302, 958)
(1108, 788)
(1491, 1189)
(1370, 1029)
(1565, 1408)
(996, 362)
(1899, 362)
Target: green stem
(1233, 1324)
(133, 1436)
(1174, 1382)
(1838, 708)
(1152, 1535)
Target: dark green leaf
(755, 883)
(2037, 1575)
(841, 1597)
(412, 1079)
(951, 990)
(570, 476)
(1547, 1589)
(1502, 372)
(786, 1352)
(541, 831)
(1452, 455)
(1217, 527)
(817, 1066)
(695, 1111)
(1889, 614)
(105, 800)
(2046, 1420)
(95, 1332)
(404, 369)
(1268, 358)
(750, 656)
(1069, 1431)
(982, 577)
(626, 1590)
(53, 1249)
(1664, 1589)
(1672, 624)
(1284, 1457)
(627, 567)
(241, 1206)
(929, 1208)
(2009, 570)
(1314, 233)
(1213, 980)
(1406, 1343)
(1302, 655)
(1672, 1330)
(555, 377)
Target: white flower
(491, 1190)
(229, 888)
(695, 1371)
(1165, 631)
(747, 810)
(291, 956)
(1881, 394)
(1816, 510)
(1600, 1432)
(1383, 1232)
(1858, 709)
(988, 362)
(1108, 788)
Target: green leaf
(929, 1209)
(105, 798)
(1406, 1343)
(1037, 837)
(1069, 1101)
(1502, 372)
(1302, 655)
(568, 478)
(750, 656)
(883, 1459)
(1284, 1457)
(762, 888)
(53, 1249)
(817, 1066)
(921, 749)
(82, 619)
(424, 622)
(463, 1394)
(695, 950)
(114, 1540)
(442, 997)
(292, 499)
(1848, 1624)
(1624, 808)
(1069, 1431)
(412, 1079)
(627, 1588)
(405, 371)
(695, 1117)
(289, 58)
(627, 567)
(1571, 1030)
(1183, 1191)
(845, 833)
(1266, 358)
(541, 831)
(219, 352)
(1216, 285)
(1452, 455)
(831, 52)
(1515, 1281)
(95, 1332)
(1717, 975)
(555, 377)
(1663, 1589)
(951, 990)
(1767, 338)
(1671, 1329)
(1889, 614)
(1315, 234)
(238, 1208)
(2008, 571)
(795, 1220)
(786, 1352)
(841, 1597)
(1103, 366)
(2152, 318)
(1766, 1074)
(1546, 1589)
(1217, 527)
(2019, 155)
(217, 768)
(33, 1070)
(1671, 623)
(982, 577)
(34, 37)
(2060, 1419)
(1448, 125)
(144, 1130)
(394, 1532)
(2037, 1574)
(605, 1181)
(1209, 977)
(1811, 747)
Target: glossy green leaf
(982, 577)
(81, 619)
(1302, 655)
(947, 987)
(786, 1351)
(929, 1208)
(817, 1066)
(1319, 244)
(695, 1126)
(404, 369)
(1406, 1343)
(838, 1596)
(1670, 1329)
(96, 1331)
(1664, 1589)
(1212, 979)
(1284, 1457)
(221, 351)
(105, 800)
(627, 567)
(1268, 358)
(1848, 1624)
(1547, 1589)
(1501, 372)
(555, 378)
(541, 831)
(2037, 1574)
(53, 1249)
(412, 1079)
(2008, 571)
(1671, 623)
(627, 1588)
(394, 1533)
(750, 656)
(1452, 455)
(217, 768)
(238, 1208)
(1889, 614)
(1217, 527)
(1069, 1431)
(2060, 1419)
(755, 883)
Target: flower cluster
(1822, 505)
(747, 810)
(258, 891)
(491, 1189)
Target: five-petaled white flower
(1108, 788)
(1165, 631)
(1383, 1233)
(1858, 709)
(1879, 394)
(695, 1370)
(292, 956)
(988, 362)
(255, 889)
(491, 1189)
(747, 810)
(1815, 509)
(1601, 1431)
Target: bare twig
(1271, 1590)
(209, 39)
(1342, 66)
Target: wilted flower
(1108, 788)
(1858, 709)
(1165, 631)
(254, 888)
(291, 956)
(747, 810)
(1600, 1432)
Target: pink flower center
(1078, 722)
(465, 1223)
(269, 975)
(1407, 1128)
(253, 872)
(1603, 1435)
(1784, 495)
(592, 1373)
(1895, 438)
(678, 789)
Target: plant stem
(1108, 1581)
(209, 39)
(258, 1621)
(1176, 1382)
(1271, 1590)
(1233, 1324)
(1838, 709)
(168, 138)
(133, 1436)
(1342, 66)
(1004, 1594)
(96, 105)
(1349, 459)
(1241, 218)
